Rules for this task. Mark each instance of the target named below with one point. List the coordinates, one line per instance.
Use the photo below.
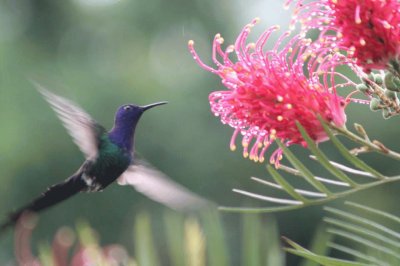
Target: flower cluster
(268, 90)
(368, 30)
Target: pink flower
(267, 91)
(368, 29)
(84, 254)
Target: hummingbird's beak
(146, 107)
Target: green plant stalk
(373, 147)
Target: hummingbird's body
(110, 163)
(108, 154)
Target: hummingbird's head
(131, 113)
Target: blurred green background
(104, 53)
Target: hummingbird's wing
(159, 187)
(84, 130)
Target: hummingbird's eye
(127, 107)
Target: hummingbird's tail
(52, 196)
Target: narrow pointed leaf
(347, 169)
(266, 198)
(251, 238)
(358, 254)
(217, 254)
(302, 252)
(308, 176)
(375, 211)
(274, 253)
(362, 231)
(322, 159)
(323, 260)
(346, 154)
(285, 185)
(173, 228)
(145, 249)
(257, 210)
(296, 172)
(300, 191)
(319, 244)
(365, 221)
(365, 242)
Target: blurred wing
(84, 130)
(158, 187)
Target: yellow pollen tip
(279, 98)
(255, 158)
(245, 144)
(280, 157)
(279, 118)
(251, 157)
(334, 1)
(261, 159)
(259, 145)
(245, 154)
(339, 35)
(190, 42)
(251, 45)
(256, 20)
(230, 49)
(233, 147)
(363, 42)
(289, 106)
(220, 40)
(272, 132)
(358, 21)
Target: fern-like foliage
(366, 237)
(345, 179)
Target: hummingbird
(109, 155)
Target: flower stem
(372, 146)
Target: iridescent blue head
(126, 119)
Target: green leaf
(251, 238)
(364, 221)
(324, 260)
(308, 176)
(319, 244)
(374, 211)
(322, 159)
(357, 254)
(346, 154)
(215, 238)
(173, 228)
(145, 250)
(285, 185)
(363, 231)
(365, 242)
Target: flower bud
(378, 79)
(375, 104)
(363, 88)
(386, 113)
(391, 95)
(391, 82)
